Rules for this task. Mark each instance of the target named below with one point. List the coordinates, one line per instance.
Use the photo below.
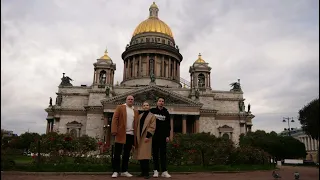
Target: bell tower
(200, 75)
(104, 70)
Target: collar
(132, 107)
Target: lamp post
(288, 121)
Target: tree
(24, 140)
(309, 118)
(278, 147)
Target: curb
(75, 173)
(110, 173)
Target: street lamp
(288, 121)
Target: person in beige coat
(145, 127)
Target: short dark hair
(160, 98)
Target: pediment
(225, 128)
(151, 94)
(74, 124)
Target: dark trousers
(126, 148)
(159, 146)
(144, 165)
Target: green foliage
(55, 143)
(205, 149)
(249, 155)
(309, 118)
(281, 147)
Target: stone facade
(151, 69)
(312, 145)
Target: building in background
(7, 133)
(312, 145)
(152, 62)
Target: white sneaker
(126, 174)
(114, 175)
(155, 173)
(165, 174)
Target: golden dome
(200, 60)
(105, 56)
(153, 24)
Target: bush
(205, 149)
(197, 149)
(249, 155)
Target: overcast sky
(271, 45)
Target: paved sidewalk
(307, 173)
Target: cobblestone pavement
(307, 173)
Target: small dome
(105, 56)
(153, 5)
(199, 60)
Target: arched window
(102, 77)
(201, 80)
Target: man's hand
(146, 140)
(167, 139)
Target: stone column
(209, 80)
(124, 70)
(140, 66)
(148, 66)
(47, 127)
(184, 124)
(169, 67)
(112, 79)
(108, 76)
(97, 76)
(172, 127)
(51, 128)
(195, 80)
(174, 69)
(304, 142)
(134, 66)
(178, 70)
(94, 76)
(197, 124)
(310, 144)
(162, 67)
(155, 62)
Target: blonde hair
(146, 102)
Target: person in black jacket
(161, 138)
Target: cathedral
(152, 62)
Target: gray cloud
(272, 46)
